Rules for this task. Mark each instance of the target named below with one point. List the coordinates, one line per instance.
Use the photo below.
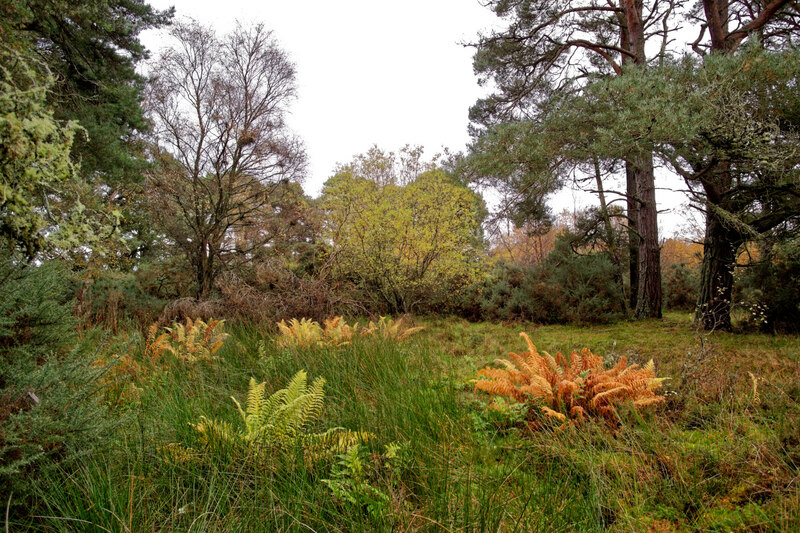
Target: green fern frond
(272, 425)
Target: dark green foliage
(769, 290)
(516, 292)
(48, 416)
(34, 322)
(93, 47)
(681, 283)
(565, 287)
(586, 283)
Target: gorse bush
(577, 388)
(768, 290)
(273, 426)
(564, 287)
(49, 414)
(110, 298)
(681, 284)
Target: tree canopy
(34, 153)
(407, 244)
(92, 49)
(218, 105)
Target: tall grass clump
(434, 455)
(270, 427)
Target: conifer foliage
(49, 414)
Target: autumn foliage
(579, 388)
(335, 332)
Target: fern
(350, 482)
(579, 387)
(391, 329)
(190, 343)
(194, 341)
(271, 425)
(335, 332)
(306, 333)
(303, 333)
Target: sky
(368, 71)
(376, 72)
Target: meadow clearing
(720, 453)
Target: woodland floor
(721, 454)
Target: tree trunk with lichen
(716, 284)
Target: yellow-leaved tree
(409, 239)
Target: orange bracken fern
(578, 388)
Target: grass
(714, 458)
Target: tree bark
(649, 295)
(611, 242)
(716, 285)
(630, 174)
(204, 270)
(633, 233)
(641, 191)
(721, 243)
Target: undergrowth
(577, 388)
(719, 453)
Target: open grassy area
(721, 454)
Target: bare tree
(218, 106)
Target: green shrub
(113, 297)
(49, 417)
(681, 285)
(565, 287)
(769, 289)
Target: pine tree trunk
(649, 299)
(633, 234)
(644, 248)
(716, 278)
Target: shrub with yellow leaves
(577, 388)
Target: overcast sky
(375, 72)
(368, 71)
